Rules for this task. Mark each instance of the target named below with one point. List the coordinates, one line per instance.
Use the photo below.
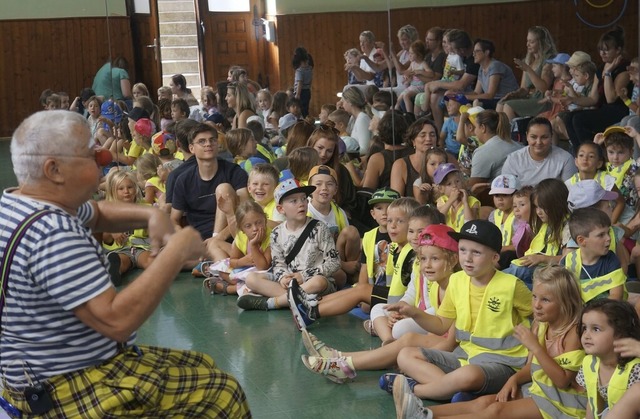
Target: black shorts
(379, 295)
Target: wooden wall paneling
(61, 54)
(328, 35)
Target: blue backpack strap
(10, 251)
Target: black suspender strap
(10, 251)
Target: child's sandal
(368, 326)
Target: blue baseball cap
(560, 58)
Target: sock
(271, 303)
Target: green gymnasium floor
(261, 349)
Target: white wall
(51, 9)
(287, 7)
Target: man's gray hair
(43, 134)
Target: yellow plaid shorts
(158, 382)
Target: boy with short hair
(307, 310)
(325, 111)
(450, 126)
(594, 264)
(309, 264)
(502, 189)
(322, 208)
(485, 305)
(294, 108)
(179, 110)
(622, 166)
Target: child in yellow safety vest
(594, 263)
(502, 190)
(454, 203)
(589, 160)
(438, 255)
(485, 306)
(323, 208)
(550, 226)
(607, 374)
(555, 356)
(400, 264)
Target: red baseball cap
(438, 235)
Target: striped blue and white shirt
(58, 266)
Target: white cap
(504, 184)
(588, 192)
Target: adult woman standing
(240, 100)
(611, 79)
(537, 77)
(495, 78)
(112, 80)
(421, 135)
(355, 104)
(179, 89)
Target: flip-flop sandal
(368, 326)
(224, 284)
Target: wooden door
(145, 33)
(232, 38)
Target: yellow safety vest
(373, 256)
(491, 339)
(241, 241)
(619, 172)
(617, 384)
(594, 287)
(505, 225)
(265, 152)
(341, 221)
(433, 290)
(396, 287)
(601, 178)
(271, 211)
(539, 243)
(554, 402)
(456, 220)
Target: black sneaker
(253, 302)
(300, 306)
(114, 268)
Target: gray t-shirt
(488, 159)
(558, 164)
(508, 82)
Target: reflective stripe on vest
(617, 384)
(592, 288)
(492, 338)
(505, 225)
(554, 402)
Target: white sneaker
(408, 405)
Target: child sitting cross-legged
(302, 251)
(485, 305)
(438, 255)
(543, 388)
(323, 208)
(250, 252)
(400, 263)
